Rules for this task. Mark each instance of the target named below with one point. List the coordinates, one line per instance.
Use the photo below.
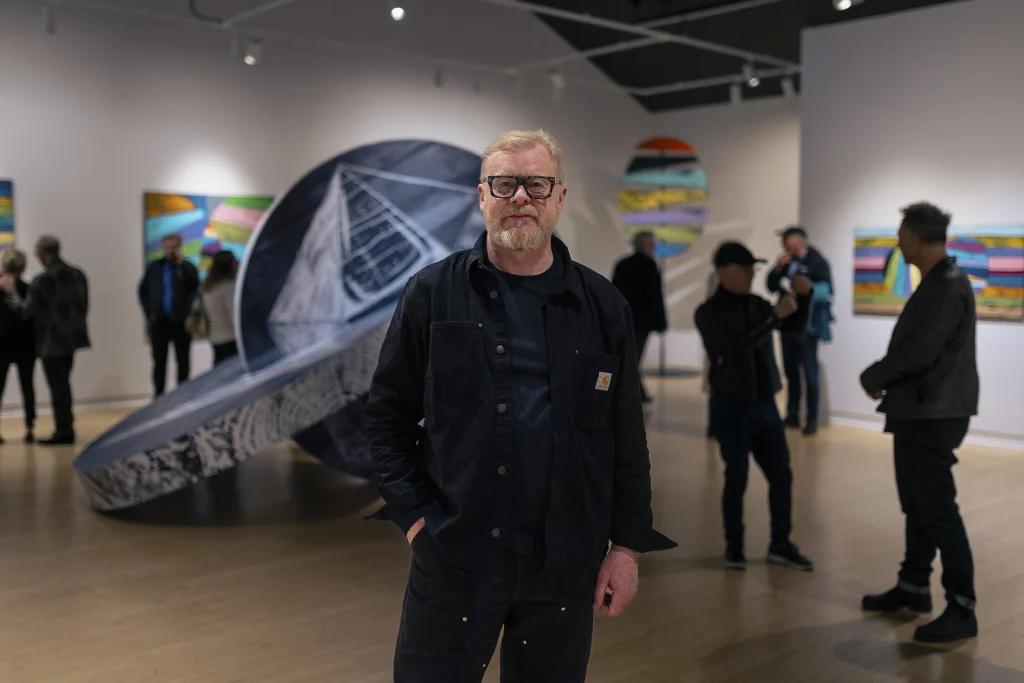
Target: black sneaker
(898, 600)
(811, 428)
(735, 559)
(956, 623)
(791, 422)
(788, 555)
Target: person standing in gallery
(18, 342)
(218, 299)
(57, 301)
(639, 280)
(167, 292)
(526, 492)
(928, 387)
(803, 272)
(736, 328)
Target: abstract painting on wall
(206, 225)
(664, 191)
(992, 256)
(6, 214)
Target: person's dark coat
(930, 368)
(58, 302)
(638, 278)
(151, 290)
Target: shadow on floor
(261, 491)
(860, 646)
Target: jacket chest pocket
(594, 378)
(455, 365)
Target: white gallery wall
(924, 105)
(113, 106)
(751, 152)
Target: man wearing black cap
(803, 272)
(736, 328)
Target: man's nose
(521, 197)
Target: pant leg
(934, 498)
(809, 344)
(919, 553)
(771, 453)
(731, 425)
(159, 340)
(792, 354)
(222, 352)
(450, 622)
(5, 369)
(182, 352)
(58, 376)
(641, 335)
(26, 379)
(547, 641)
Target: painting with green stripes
(207, 225)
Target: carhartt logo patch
(604, 381)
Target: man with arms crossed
(928, 386)
(532, 457)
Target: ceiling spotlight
(397, 13)
(253, 52)
(843, 5)
(750, 77)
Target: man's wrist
(626, 551)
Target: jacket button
(500, 349)
(495, 532)
(501, 407)
(503, 470)
(494, 295)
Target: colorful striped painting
(206, 225)
(6, 214)
(664, 191)
(993, 258)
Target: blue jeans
(800, 352)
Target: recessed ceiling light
(397, 13)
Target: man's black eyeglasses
(536, 186)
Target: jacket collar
(571, 282)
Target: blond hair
(14, 262)
(525, 139)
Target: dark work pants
(800, 356)
(221, 352)
(924, 462)
(26, 379)
(742, 429)
(641, 334)
(58, 377)
(451, 622)
(162, 333)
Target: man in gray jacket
(58, 301)
(928, 386)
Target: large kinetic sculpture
(315, 293)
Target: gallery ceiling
(667, 54)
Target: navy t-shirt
(526, 303)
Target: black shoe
(956, 623)
(59, 440)
(30, 437)
(735, 559)
(791, 422)
(788, 555)
(2, 440)
(811, 428)
(898, 600)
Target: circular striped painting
(664, 191)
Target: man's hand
(784, 261)
(786, 306)
(877, 395)
(801, 285)
(415, 529)
(619, 576)
(7, 283)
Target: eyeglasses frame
(521, 182)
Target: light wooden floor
(271, 575)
